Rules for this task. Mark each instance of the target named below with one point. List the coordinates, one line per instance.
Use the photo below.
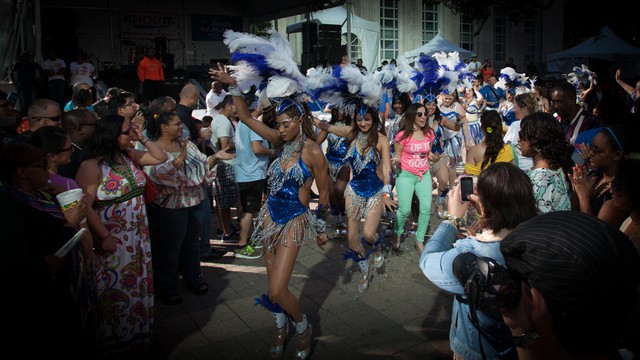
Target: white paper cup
(69, 199)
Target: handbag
(150, 189)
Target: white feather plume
(278, 59)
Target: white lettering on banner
(134, 25)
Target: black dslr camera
(487, 284)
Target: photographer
(502, 208)
(578, 288)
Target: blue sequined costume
(365, 188)
(452, 139)
(283, 216)
(336, 151)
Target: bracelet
(145, 141)
(235, 90)
(456, 221)
(385, 195)
(386, 189)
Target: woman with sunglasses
(592, 184)
(55, 145)
(113, 185)
(56, 148)
(44, 289)
(413, 147)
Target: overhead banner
(212, 27)
(144, 25)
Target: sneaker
(231, 238)
(214, 254)
(246, 252)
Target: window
(529, 39)
(356, 48)
(499, 36)
(466, 33)
(429, 21)
(388, 29)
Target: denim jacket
(436, 263)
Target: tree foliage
(261, 28)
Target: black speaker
(168, 65)
(309, 36)
(309, 60)
(330, 35)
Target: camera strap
(474, 320)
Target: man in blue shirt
(493, 95)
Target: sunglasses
(421, 114)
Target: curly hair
(493, 134)
(546, 137)
(408, 121)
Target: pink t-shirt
(415, 154)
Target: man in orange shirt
(151, 75)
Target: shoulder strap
(515, 156)
(494, 93)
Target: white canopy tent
(606, 45)
(367, 32)
(438, 43)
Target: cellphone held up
(466, 187)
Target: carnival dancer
(339, 170)
(368, 156)
(285, 221)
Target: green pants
(406, 185)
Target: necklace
(361, 140)
(290, 149)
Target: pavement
(401, 316)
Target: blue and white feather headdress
(581, 76)
(345, 88)
(403, 74)
(437, 74)
(513, 82)
(267, 64)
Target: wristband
(386, 189)
(235, 90)
(526, 338)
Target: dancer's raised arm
(242, 111)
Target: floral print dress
(123, 280)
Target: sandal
(201, 289)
